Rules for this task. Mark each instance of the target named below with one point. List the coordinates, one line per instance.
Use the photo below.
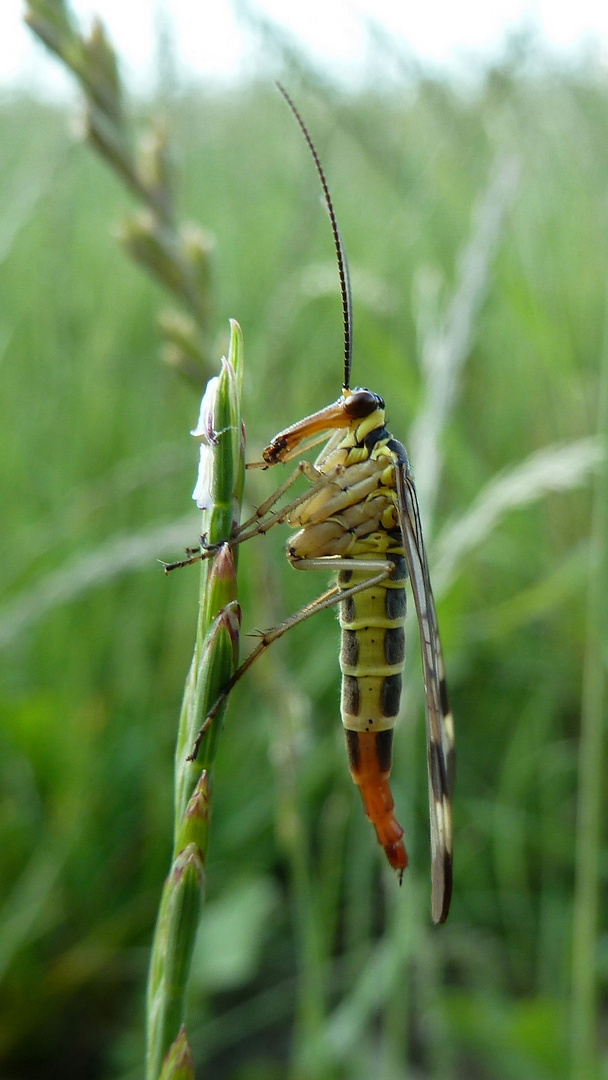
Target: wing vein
(439, 721)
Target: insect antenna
(347, 304)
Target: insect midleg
(328, 599)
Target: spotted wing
(439, 720)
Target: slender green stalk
(591, 770)
(218, 493)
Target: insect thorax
(353, 515)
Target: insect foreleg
(255, 525)
(193, 555)
(333, 596)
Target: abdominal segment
(372, 658)
(369, 758)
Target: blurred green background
(312, 963)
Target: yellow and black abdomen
(372, 658)
(372, 655)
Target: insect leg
(329, 599)
(255, 525)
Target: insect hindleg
(267, 637)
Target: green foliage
(327, 963)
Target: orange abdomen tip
(369, 758)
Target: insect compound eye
(361, 403)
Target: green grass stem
(591, 774)
(218, 493)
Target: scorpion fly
(360, 517)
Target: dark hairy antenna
(347, 304)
